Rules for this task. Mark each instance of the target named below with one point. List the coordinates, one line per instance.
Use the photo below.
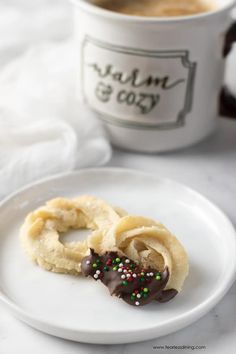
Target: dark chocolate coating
(125, 279)
(166, 295)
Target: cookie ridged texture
(41, 229)
(143, 240)
(151, 244)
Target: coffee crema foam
(157, 8)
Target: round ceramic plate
(82, 309)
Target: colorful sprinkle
(145, 290)
(127, 261)
(142, 279)
(95, 276)
(134, 275)
(145, 295)
(117, 260)
(158, 277)
(106, 268)
(121, 265)
(115, 268)
(98, 261)
(151, 274)
(128, 275)
(119, 270)
(94, 265)
(98, 271)
(88, 262)
(132, 297)
(125, 282)
(138, 296)
(125, 271)
(123, 276)
(137, 303)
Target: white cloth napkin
(43, 128)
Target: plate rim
(181, 320)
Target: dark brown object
(125, 279)
(227, 104)
(230, 38)
(227, 100)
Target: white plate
(81, 309)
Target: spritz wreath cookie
(149, 244)
(41, 229)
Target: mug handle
(227, 100)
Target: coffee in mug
(162, 8)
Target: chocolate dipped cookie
(124, 278)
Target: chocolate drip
(125, 279)
(166, 295)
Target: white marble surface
(210, 168)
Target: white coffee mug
(153, 82)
